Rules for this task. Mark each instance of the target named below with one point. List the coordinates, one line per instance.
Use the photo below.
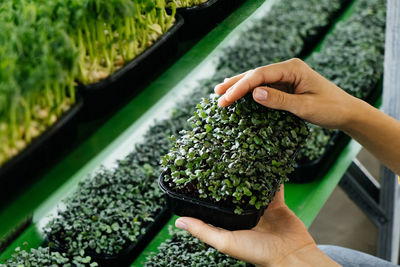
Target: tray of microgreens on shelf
(111, 216)
(131, 41)
(351, 57)
(227, 167)
(50, 50)
(45, 257)
(182, 249)
(201, 15)
(39, 106)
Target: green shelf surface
(116, 137)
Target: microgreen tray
(219, 216)
(201, 18)
(132, 250)
(40, 152)
(99, 97)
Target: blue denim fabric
(352, 258)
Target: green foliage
(110, 33)
(316, 144)
(352, 58)
(37, 69)
(282, 34)
(44, 257)
(77, 225)
(108, 212)
(45, 46)
(240, 154)
(185, 250)
(184, 3)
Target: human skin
(280, 238)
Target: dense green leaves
(44, 257)
(184, 250)
(236, 155)
(282, 34)
(184, 3)
(352, 58)
(46, 46)
(37, 69)
(108, 212)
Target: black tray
(201, 18)
(308, 171)
(20, 169)
(99, 97)
(127, 255)
(210, 213)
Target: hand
(314, 98)
(279, 239)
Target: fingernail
(181, 225)
(226, 79)
(260, 95)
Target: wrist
(357, 111)
(310, 255)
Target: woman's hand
(279, 239)
(315, 99)
(318, 101)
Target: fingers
(250, 80)
(215, 237)
(276, 99)
(289, 71)
(228, 82)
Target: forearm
(377, 132)
(309, 256)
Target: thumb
(274, 98)
(215, 237)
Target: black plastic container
(223, 217)
(40, 152)
(307, 171)
(99, 97)
(132, 250)
(201, 18)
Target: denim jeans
(352, 258)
